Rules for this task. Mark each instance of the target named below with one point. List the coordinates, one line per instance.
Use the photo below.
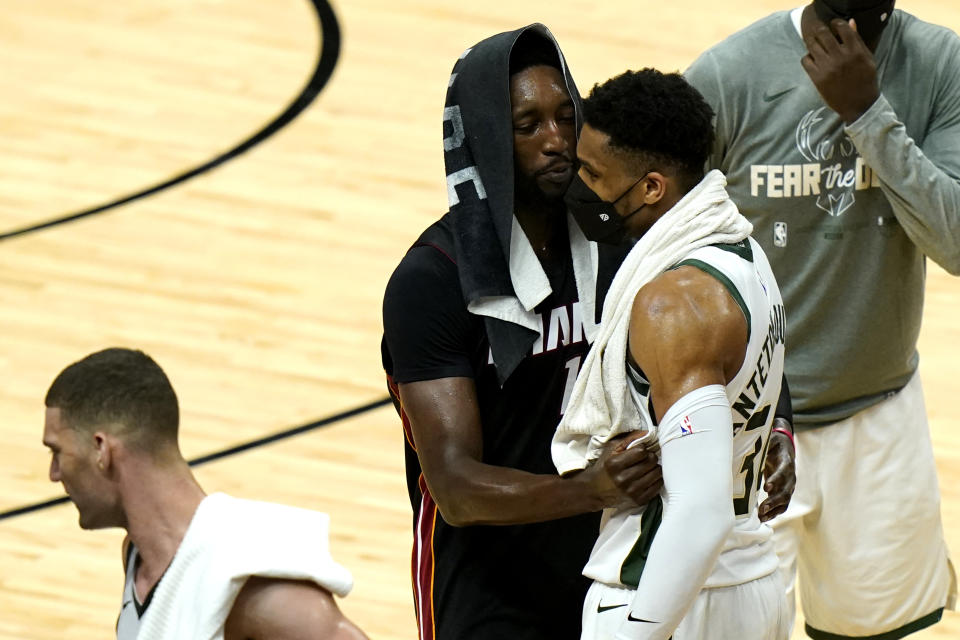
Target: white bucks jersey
(625, 536)
(131, 609)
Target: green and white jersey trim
(625, 536)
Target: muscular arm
(271, 609)
(429, 335)
(694, 339)
(447, 433)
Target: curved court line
(223, 453)
(327, 61)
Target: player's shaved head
(120, 391)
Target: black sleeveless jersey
(522, 580)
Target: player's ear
(103, 445)
(656, 187)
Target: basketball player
(196, 566)
(842, 146)
(695, 317)
(486, 321)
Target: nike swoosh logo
(601, 608)
(632, 619)
(770, 97)
(125, 604)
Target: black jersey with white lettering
(488, 581)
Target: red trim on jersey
(423, 563)
(407, 430)
(433, 246)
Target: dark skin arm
(445, 421)
(840, 65)
(694, 335)
(679, 291)
(779, 470)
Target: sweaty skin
(446, 427)
(692, 333)
(443, 413)
(607, 177)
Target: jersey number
(573, 368)
(741, 503)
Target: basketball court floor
(228, 186)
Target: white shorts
(755, 610)
(865, 518)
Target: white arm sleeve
(696, 439)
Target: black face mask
(871, 19)
(598, 219)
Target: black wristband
(784, 408)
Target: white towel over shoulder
(600, 406)
(229, 540)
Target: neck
(545, 226)
(159, 503)
(653, 212)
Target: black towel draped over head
(478, 154)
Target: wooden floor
(258, 285)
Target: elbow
(453, 514)
(951, 264)
(723, 518)
(711, 521)
(453, 503)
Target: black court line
(326, 62)
(210, 457)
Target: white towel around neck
(600, 405)
(229, 540)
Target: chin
(552, 192)
(89, 521)
(552, 198)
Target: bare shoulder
(275, 609)
(686, 303)
(686, 331)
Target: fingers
(847, 32)
(835, 39)
(645, 467)
(779, 488)
(643, 488)
(635, 472)
(768, 511)
(621, 457)
(781, 480)
(822, 40)
(780, 474)
(622, 441)
(810, 67)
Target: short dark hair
(654, 117)
(123, 387)
(533, 49)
